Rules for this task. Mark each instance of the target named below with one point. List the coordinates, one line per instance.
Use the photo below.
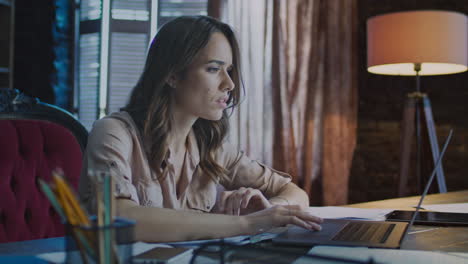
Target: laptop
(358, 233)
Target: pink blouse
(114, 144)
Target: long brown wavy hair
(171, 52)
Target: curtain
(300, 73)
(252, 123)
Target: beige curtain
(299, 115)
(252, 123)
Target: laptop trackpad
(342, 232)
(330, 228)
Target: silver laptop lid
(428, 184)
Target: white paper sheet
(349, 213)
(238, 240)
(451, 208)
(389, 256)
(138, 247)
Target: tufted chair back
(35, 138)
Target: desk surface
(432, 238)
(408, 202)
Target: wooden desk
(407, 203)
(442, 239)
(420, 237)
(431, 237)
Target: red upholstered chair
(35, 138)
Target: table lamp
(416, 43)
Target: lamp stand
(418, 112)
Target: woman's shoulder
(118, 124)
(118, 121)
(114, 135)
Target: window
(169, 9)
(112, 43)
(88, 78)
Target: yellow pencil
(71, 217)
(70, 199)
(75, 215)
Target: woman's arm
(252, 186)
(248, 200)
(166, 225)
(291, 194)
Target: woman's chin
(213, 117)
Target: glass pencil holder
(106, 244)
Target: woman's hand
(241, 202)
(281, 215)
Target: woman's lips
(222, 102)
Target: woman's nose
(228, 84)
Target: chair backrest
(35, 138)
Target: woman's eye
(213, 69)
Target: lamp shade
(438, 40)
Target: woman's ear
(172, 81)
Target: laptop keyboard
(365, 232)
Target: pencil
(100, 217)
(55, 202)
(107, 220)
(71, 198)
(52, 199)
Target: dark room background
(381, 98)
(43, 67)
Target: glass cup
(100, 244)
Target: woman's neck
(181, 126)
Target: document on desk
(138, 247)
(338, 212)
(387, 256)
(235, 240)
(448, 208)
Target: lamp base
(418, 103)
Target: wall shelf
(6, 36)
(5, 2)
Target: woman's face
(203, 90)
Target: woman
(166, 148)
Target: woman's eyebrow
(219, 62)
